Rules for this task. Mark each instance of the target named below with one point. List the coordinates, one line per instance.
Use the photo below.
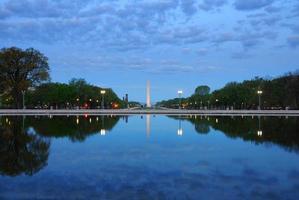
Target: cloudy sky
(176, 44)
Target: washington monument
(148, 94)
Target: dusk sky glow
(176, 44)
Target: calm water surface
(149, 157)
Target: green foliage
(25, 142)
(202, 90)
(273, 129)
(21, 151)
(21, 69)
(278, 93)
(134, 104)
(77, 129)
(77, 93)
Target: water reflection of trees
(273, 130)
(21, 150)
(75, 128)
(25, 142)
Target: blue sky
(176, 44)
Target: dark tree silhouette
(77, 129)
(21, 152)
(21, 69)
(275, 130)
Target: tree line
(258, 130)
(76, 94)
(25, 82)
(25, 142)
(277, 93)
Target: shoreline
(5, 112)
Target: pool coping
(149, 111)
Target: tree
(21, 151)
(77, 129)
(278, 93)
(21, 69)
(202, 90)
(76, 93)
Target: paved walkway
(149, 111)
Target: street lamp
(103, 130)
(103, 92)
(180, 93)
(23, 95)
(97, 103)
(259, 93)
(0, 100)
(78, 104)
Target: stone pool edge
(149, 111)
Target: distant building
(127, 100)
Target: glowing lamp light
(103, 132)
(260, 133)
(259, 92)
(115, 105)
(180, 132)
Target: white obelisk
(148, 95)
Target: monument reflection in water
(149, 157)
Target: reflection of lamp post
(103, 92)
(259, 93)
(103, 130)
(259, 132)
(180, 92)
(180, 130)
(23, 123)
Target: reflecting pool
(149, 157)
